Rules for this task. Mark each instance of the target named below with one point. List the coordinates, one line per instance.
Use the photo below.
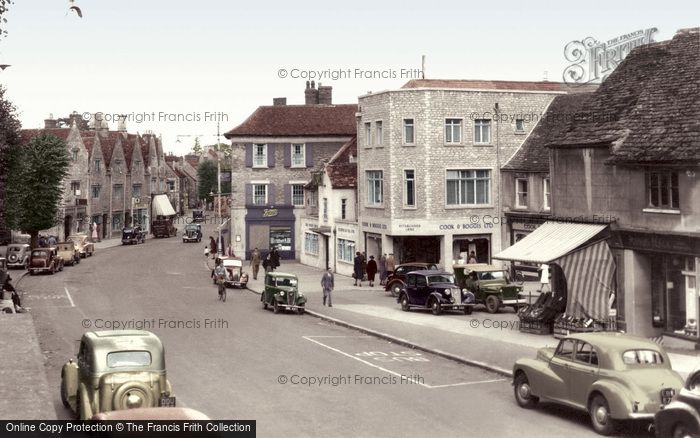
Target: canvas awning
(326, 231)
(162, 207)
(550, 241)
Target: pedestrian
(42, 241)
(274, 258)
(364, 266)
(327, 283)
(255, 262)
(472, 258)
(267, 264)
(382, 269)
(371, 270)
(212, 246)
(95, 234)
(390, 265)
(52, 241)
(357, 268)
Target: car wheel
(264, 304)
(599, 410)
(395, 289)
(404, 303)
(680, 430)
(275, 307)
(300, 310)
(64, 398)
(435, 307)
(523, 392)
(492, 304)
(60, 267)
(77, 260)
(468, 310)
(31, 272)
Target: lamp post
(218, 187)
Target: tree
(4, 5)
(35, 176)
(197, 148)
(9, 139)
(206, 176)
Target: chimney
(311, 93)
(325, 94)
(279, 101)
(50, 122)
(121, 126)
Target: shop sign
(270, 212)
(374, 225)
(657, 242)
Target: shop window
(311, 243)
(346, 250)
(281, 238)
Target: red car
(45, 260)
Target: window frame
(368, 134)
(345, 247)
(96, 189)
(302, 164)
(519, 129)
(519, 193)
(311, 243)
(672, 188)
(489, 189)
(460, 126)
(253, 194)
(262, 165)
(547, 194)
(118, 194)
(292, 195)
(406, 181)
(404, 125)
(343, 208)
(378, 132)
(371, 184)
(479, 124)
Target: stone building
(273, 154)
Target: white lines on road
(72, 304)
(468, 383)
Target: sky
(176, 68)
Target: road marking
(329, 336)
(72, 304)
(468, 383)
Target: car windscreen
(642, 357)
(441, 278)
(492, 275)
(40, 254)
(15, 249)
(286, 282)
(124, 359)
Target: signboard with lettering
(668, 243)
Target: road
(293, 374)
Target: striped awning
(550, 241)
(589, 276)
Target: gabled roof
(26, 135)
(192, 160)
(88, 140)
(132, 142)
(341, 172)
(298, 120)
(108, 141)
(476, 84)
(533, 155)
(648, 109)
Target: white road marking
(72, 304)
(399, 375)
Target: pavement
(490, 341)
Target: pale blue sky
(191, 57)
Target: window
(118, 192)
(128, 359)
(325, 209)
(375, 183)
(346, 250)
(259, 194)
(311, 243)
(75, 188)
(118, 166)
(74, 154)
(136, 190)
(137, 165)
(378, 132)
(565, 350)
(171, 185)
(343, 208)
(642, 357)
(453, 130)
(117, 221)
(153, 185)
(312, 200)
(586, 354)
(482, 131)
(408, 131)
(547, 193)
(298, 195)
(96, 164)
(96, 191)
(259, 155)
(298, 155)
(519, 125)
(663, 189)
(409, 188)
(368, 134)
(468, 187)
(520, 193)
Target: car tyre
(275, 307)
(264, 304)
(523, 392)
(599, 411)
(64, 399)
(435, 307)
(680, 430)
(300, 310)
(468, 310)
(404, 303)
(395, 289)
(492, 304)
(60, 267)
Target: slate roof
(648, 110)
(533, 155)
(341, 172)
(542, 86)
(298, 120)
(131, 142)
(88, 140)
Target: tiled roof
(108, 141)
(131, 142)
(533, 155)
(88, 140)
(341, 172)
(26, 135)
(298, 120)
(193, 160)
(171, 158)
(477, 84)
(648, 109)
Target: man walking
(255, 262)
(390, 264)
(357, 268)
(327, 283)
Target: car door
(583, 372)
(422, 289)
(411, 288)
(557, 386)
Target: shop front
(268, 228)
(518, 226)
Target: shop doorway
(463, 247)
(417, 249)
(67, 226)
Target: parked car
(491, 286)
(397, 280)
(681, 418)
(192, 233)
(133, 235)
(45, 260)
(235, 277)
(612, 376)
(282, 293)
(434, 290)
(197, 216)
(18, 255)
(85, 246)
(115, 370)
(68, 252)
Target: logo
(270, 212)
(592, 60)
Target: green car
(490, 285)
(612, 376)
(282, 293)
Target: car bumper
(190, 239)
(15, 265)
(514, 301)
(236, 283)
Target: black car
(435, 290)
(197, 216)
(681, 417)
(133, 235)
(397, 280)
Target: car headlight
(281, 292)
(464, 291)
(448, 292)
(300, 294)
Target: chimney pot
(279, 101)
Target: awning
(550, 241)
(326, 231)
(162, 207)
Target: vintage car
(397, 280)
(68, 252)
(163, 228)
(235, 277)
(491, 286)
(133, 235)
(114, 370)
(681, 418)
(434, 290)
(18, 255)
(282, 293)
(85, 246)
(612, 376)
(192, 233)
(143, 414)
(45, 260)
(197, 216)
